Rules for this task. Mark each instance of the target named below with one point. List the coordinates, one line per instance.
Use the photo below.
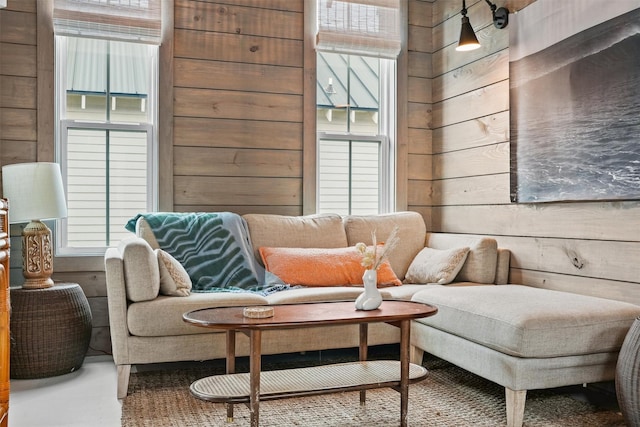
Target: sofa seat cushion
(311, 231)
(523, 321)
(412, 231)
(163, 315)
(408, 290)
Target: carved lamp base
(37, 256)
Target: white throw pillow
(174, 280)
(436, 265)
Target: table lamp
(35, 192)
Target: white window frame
(64, 125)
(387, 138)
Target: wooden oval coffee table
(362, 375)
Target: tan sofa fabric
(412, 235)
(312, 231)
(144, 230)
(163, 316)
(313, 294)
(141, 273)
(151, 330)
(502, 266)
(528, 322)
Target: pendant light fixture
(468, 39)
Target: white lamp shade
(34, 191)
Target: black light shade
(468, 39)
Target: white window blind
(125, 20)
(359, 27)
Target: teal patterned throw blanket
(214, 248)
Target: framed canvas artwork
(574, 71)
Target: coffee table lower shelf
(351, 376)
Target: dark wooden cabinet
(4, 314)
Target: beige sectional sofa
(147, 327)
(475, 327)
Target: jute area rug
(449, 396)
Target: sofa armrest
(117, 304)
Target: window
(106, 94)
(357, 44)
(354, 122)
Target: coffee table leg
(364, 338)
(405, 330)
(254, 369)
(231, 366)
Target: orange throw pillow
(322, 266)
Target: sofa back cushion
(480, 265)
(280, 231)
(141, 273)
(412, 231)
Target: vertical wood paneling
(46, 81)
(419, 106)
(402, 115)
(309, 140)
(166, 71)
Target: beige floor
(85, 398)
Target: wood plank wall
(238, 86)
(237, 124)
(590, 248)
(18, 82)
(21, 83)
(237, 121)
(419, 108)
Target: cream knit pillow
(174, 279)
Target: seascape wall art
(574, 73)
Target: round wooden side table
(50, 330)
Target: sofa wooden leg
(123, 380)
(515, 406)
(416, 354)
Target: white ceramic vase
(371, 298)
